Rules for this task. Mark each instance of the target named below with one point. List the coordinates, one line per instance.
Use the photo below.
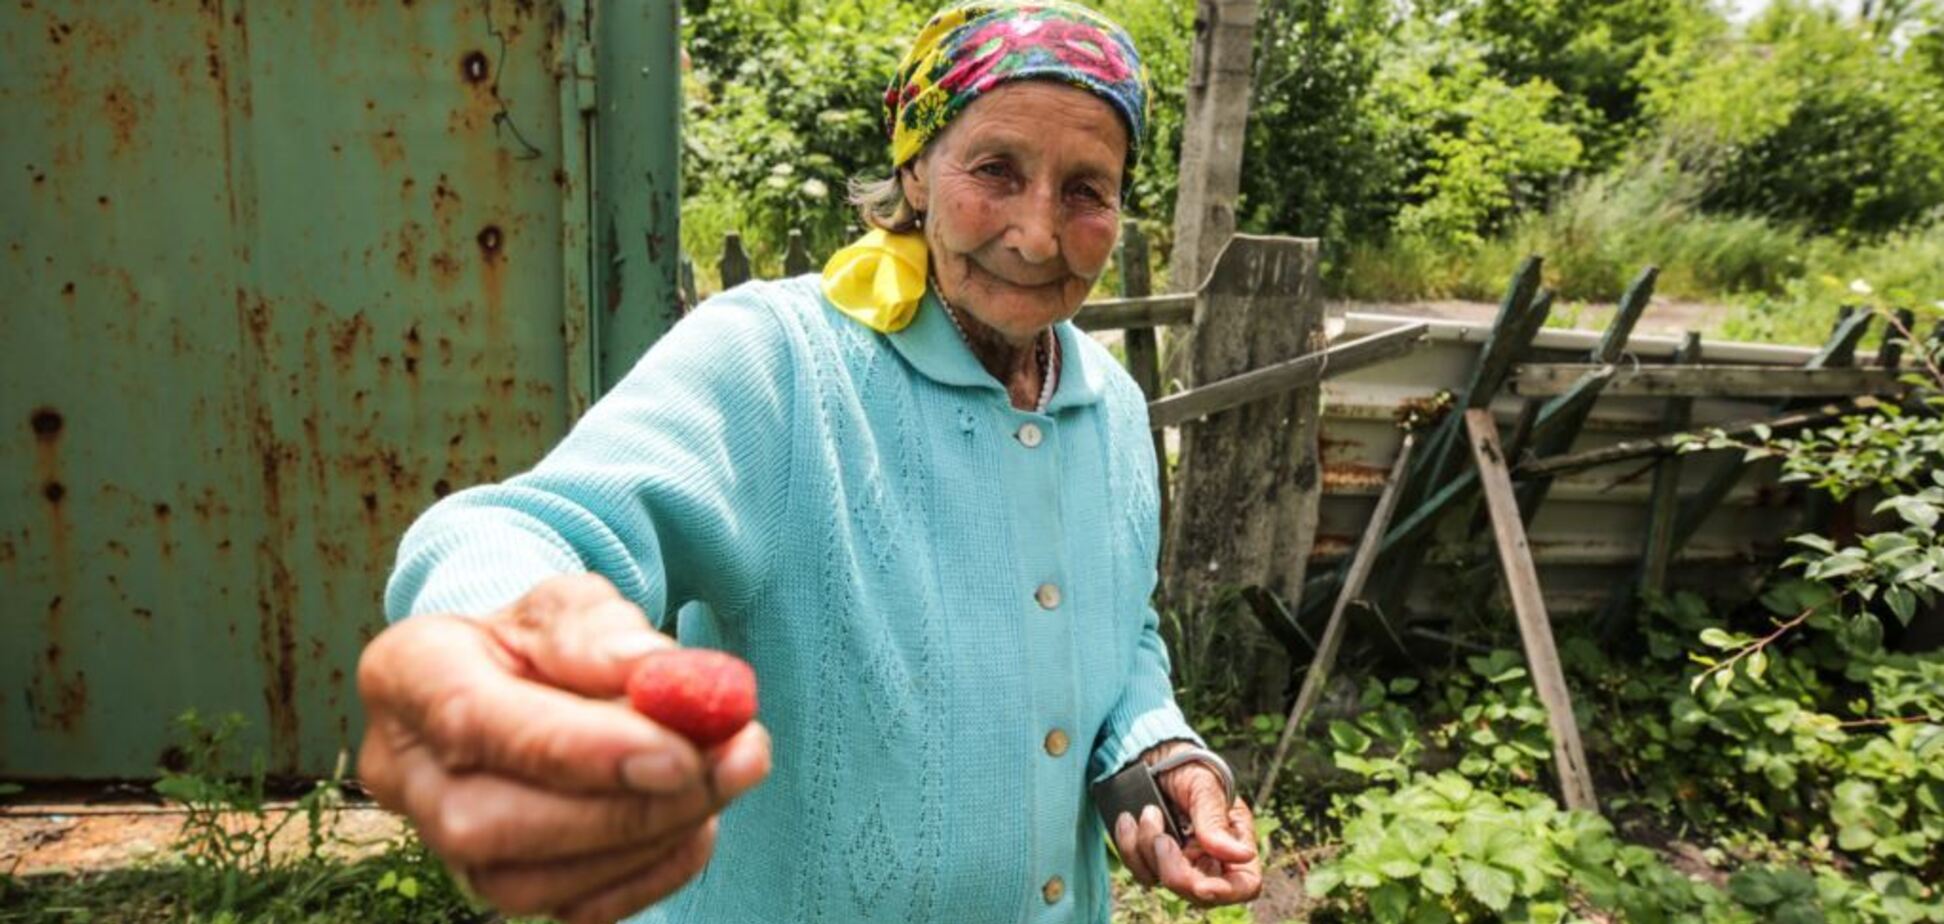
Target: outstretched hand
(507, 744)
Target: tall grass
(1597, 235)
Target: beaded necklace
(1047, 352)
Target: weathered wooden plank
(1707, 381)
(1529, 609)
(1633, 304)
(1324, 660)
(1142, 350)
(1671, 443)
(1664, 503)
(1249, 482)
(1562, 419)
(1839, 351)
(796, 256)
(734, 265)
(1903, 326)
(1143, 354)
(1136, 313)
(1521, 314)
(1269, 381)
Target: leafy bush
(1809, 118)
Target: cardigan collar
(933, 346)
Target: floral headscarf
(967, 50)
(961, 54)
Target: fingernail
(659, 772)
(1151, 815)
(1124, 825)
(631, 645)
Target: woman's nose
(1035, 232)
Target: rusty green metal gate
(276, 276)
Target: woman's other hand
(1219, 865)
(508, 743)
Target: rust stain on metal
(387, 148)
(1348, 476)
(349, 337)
(277, 589)
(58, 697)
(123, 111)
(410, 236)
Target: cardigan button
(1030, 436)
(1048, 596)
(1054, 889)
(1056, 743)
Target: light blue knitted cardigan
(928, 582)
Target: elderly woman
(909, 493)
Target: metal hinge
(584, 92)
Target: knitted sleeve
(671, 486)
(1145, 714)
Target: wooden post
(1143, 353)
(796, 257)
(687, 283)
(1214, 129)
(1665, 504)
(1326, 650)
(1890, 356)
(1529, 608)
(734, 265)
(1248, 481)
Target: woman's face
(1021, 196)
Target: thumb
(1208, 809)
(577, 633)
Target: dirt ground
(38, 839)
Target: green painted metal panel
(273, 277)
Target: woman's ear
(917, 192)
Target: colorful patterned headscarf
(967, 50)
(962, 53)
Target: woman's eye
(995, 169)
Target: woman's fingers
(539, 888)
(1199, 790)
(737, 765)
(1196, 882)
(477, 819)
(446, 682)
(579, 634)
(652, 885)
(1127, 840)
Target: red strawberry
(707, 696)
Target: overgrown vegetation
(1776, 165)
(1774, 758)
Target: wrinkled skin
(508, 743)
(1021, 198)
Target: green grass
(1784, 283)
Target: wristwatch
(1136, 786)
